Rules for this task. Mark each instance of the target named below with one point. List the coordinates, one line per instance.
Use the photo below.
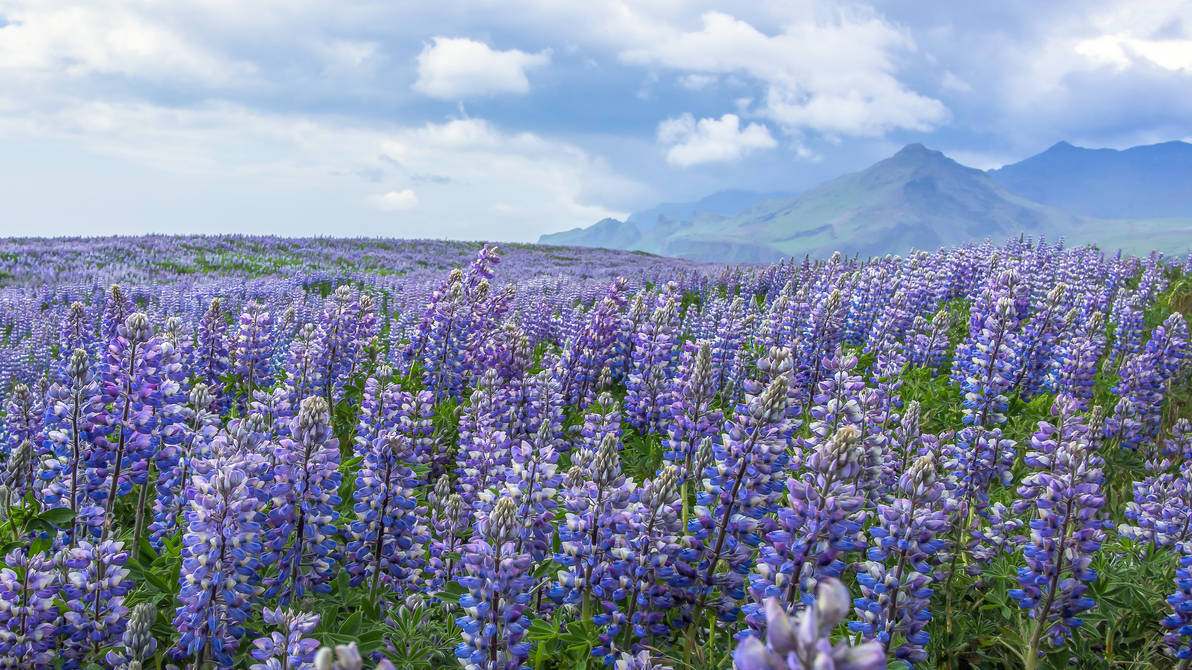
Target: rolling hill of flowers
(233, 452)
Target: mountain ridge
(917, 198)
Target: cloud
(697, 82)
(711, 140)
(395, 201)
(453, 68)
(831, 76)
(113, 40)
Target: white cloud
(697, 82)
(454, 67)
(1123, 51)
(711, 140)
(395, 201)
(114, 40)
(831, 76)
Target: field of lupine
(270, 453)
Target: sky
(504, 120)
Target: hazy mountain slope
(917, 198)
(721, 203)
(1141, 182)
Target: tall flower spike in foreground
(1067, 495)
(72, 424)
(494, 623)
(220, 561)
(897, 581)
(28, 586)
(301, 537)
(94, 593)
(736, 494)
(390, 532)
(803, 642)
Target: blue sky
(505, 120)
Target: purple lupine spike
(303, 373)
(816, 528)
(73, 425)
(288, 647)
(648, 399)
(803, 642)
(652, 548)
(221, 552)
(28, 586)
(896, 581)
(494, 623)
(595, 495)
(450, 520)
(23, 418)
(388, 537)
(990, 371)
(137, 643)
(1066, 491)
(212, 355)
(1038, 341)
(693, 416)
(128, 379)
(185, 443)
(95, 615)
(116, 310)
(300, 537)
(1076, 361)
(78, 329)
(252, 349)
(738, 488)
(533, 475)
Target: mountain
(1141, 182)
(917, 198)
(722, 203)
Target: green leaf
(57, 516)
(451, 592)
(351, 626)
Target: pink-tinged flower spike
(300, 539)
(803, 642)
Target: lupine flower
(212, 356)
(803, 642)
(94, 591)
(28, 586)
(344, 657)
(494, 623)
(896, 581)
(251, 347)
(23, 418)
(220, 561)
(815, 530)
(300, 536)
(1066, 494)
(137, 643)
(648, 400)
(654, 526)
(388, 537)
(287, 648)
(737, 489)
